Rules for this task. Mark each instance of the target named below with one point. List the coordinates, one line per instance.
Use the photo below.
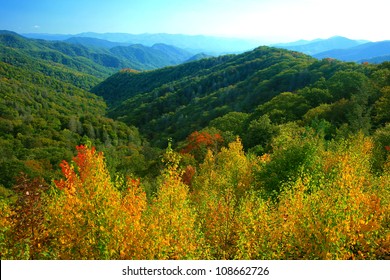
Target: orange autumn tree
(198, 142)
(84, 214)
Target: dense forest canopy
(46, 111)
(285, 86)
(269, 154)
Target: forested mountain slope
(75, 57)
(46, 111)
(285, 85)
(141, 57)
(190, 95)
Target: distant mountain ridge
(94, 42)
(342, 48)
(376, 60)
(193, 43)
(362, 52)
(321, 45)
(217, 45)
(95, 56)
(296, 43)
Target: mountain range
(210, 45)
(362, 52)
(97, 57)
(321, 45)
(337, 47)
(94, 42)
(343, 49)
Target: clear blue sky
(270, 20)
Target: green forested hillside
(271, 83)
(75, 57)
(147, 58)
(46, 110)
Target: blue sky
(268, 20)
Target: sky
(266, 20)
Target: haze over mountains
(362, 52)
(337, 47)
(193, 43)
(321, 45)
(343, 49)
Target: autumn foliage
(198, 143)
(332, 207)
